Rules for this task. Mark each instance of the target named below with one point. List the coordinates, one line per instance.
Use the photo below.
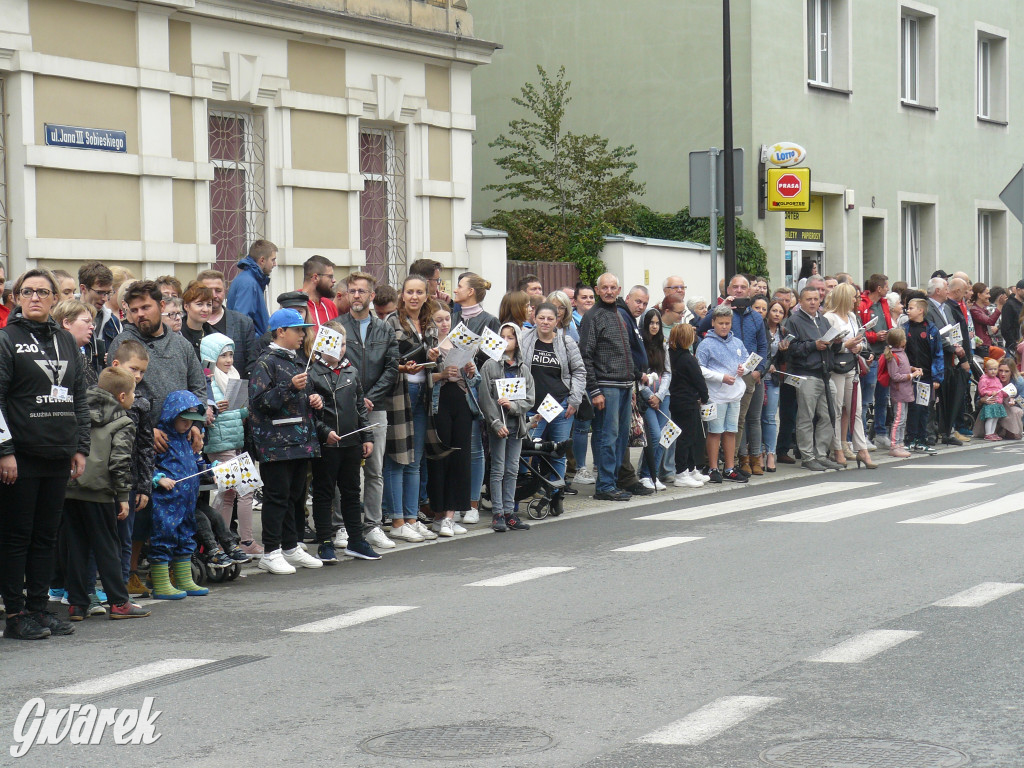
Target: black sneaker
(361, 550)
(308, 535)
(734, 475)
(22, 626)
(714, 476)
(78, 612)
(325, 553)
(515, 524)
(616, 495)
(638, 489)
(51, 622)
(742, 471)
(238, 555)
(217, 559)
(498, 523)
(556, 505)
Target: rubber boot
(162, 589)
(182, 570)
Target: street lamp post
(729, 180)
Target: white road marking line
(650, 546)
(351, 619)
(970, 477)
(518, 577)
(710, 720)
(1004, 505)
(983, 594)
(130, 676)
(928, 465)
(730, 504)
(863, 646)
(863, 506)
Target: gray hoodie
(173, 365)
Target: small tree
(576, 176)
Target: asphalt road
(786, 623)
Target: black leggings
(30, 511)
(337, 467)
(691, 434)
(448, 478)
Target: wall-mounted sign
(786, 154)
(807, 227)
(789, 189)
(85, 138)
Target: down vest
(227, 433)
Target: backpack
(883, 371)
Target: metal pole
(713, 158)
(730, 190)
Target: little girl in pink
(990, 390)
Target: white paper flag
(669, 433)
(956, 336)
(793, 380)
(924, 392)
(5, 432)
(328, 342)
(513, 389)
(239, 473)
(709, 412)
(752, 362)
(492, 345)
(461, 336)
(1009, 389)
(549, 408)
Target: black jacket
(376, 360)
(636, 342)
(688, 387)
(803, 358)
(604, 346)
(33, 358)
(1009, 323)
(344, 409)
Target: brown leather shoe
(784, 458)
(755, 465)
(745, 465)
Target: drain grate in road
(458, 742)
(862, 753)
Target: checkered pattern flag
(328, 342)
(513, 389)
(709, 412)
(240, 474)
(549, 408)
(492, 344)
(461, 336)
(669, 433)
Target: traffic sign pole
(713, 157)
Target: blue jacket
(748, 326)
(246, 294)
(178, 461)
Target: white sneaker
(406, 532)
(685, 480)
(659, 485)
(378, 540)
(471, 516)
(274, 562)
(341, 539)
(423, 531)
(301, 558)
(696, 474)
(459, 530)
(458, 517)
(646, 482)
(446, 528)
(584, 477)
(303, 547)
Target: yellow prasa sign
(789, 189)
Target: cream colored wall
(179, 34)
(441, 240)
(89, 206)
(439, 154)
(184, 194)
(320, 218)
(319, 141)
(438, 85)
(83, 31)
(316, 68)
(182, 140)
(90, 105)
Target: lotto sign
(789, 189)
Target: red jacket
(5, 312)
(864, 311)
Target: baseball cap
(193, 414)
(293, 300)
(287, 318)
(941, 273)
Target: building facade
(909, 112)
(165, 137)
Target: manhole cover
(863, 753)
(458, 741)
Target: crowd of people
(120, 396)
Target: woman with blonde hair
(564, 307)
(839, 311)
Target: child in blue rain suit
(174, 500)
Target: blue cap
(287, 318)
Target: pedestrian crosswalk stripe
(350, 619)
(650, 546)
(738, 503)
(130, 676)
(1002, 505)
(710, 720)
(983, 594)
(863, 646)
(929, 466)
(519, 577)
(862, 506)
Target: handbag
(585, 412)
(862, 367)
(637, 431)
(845, 362)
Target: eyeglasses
(102, 294)
(358, 291)
(677, 287)
(42, 293)
(172, 315)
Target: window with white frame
(828, 43)
(911, 244)
(984, 247)
(238, 199)
(991, 76)
(918, 57)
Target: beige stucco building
(338, 127)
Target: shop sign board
(789, 189)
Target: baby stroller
(535, 483)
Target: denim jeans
(668, 463)
(476, 462)
(611, 435)
(871, 390)
(653, 421)
(557, 430)
(402, 481)
(580, 441)
(505, 453)
(124, 533)
(769, 417)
